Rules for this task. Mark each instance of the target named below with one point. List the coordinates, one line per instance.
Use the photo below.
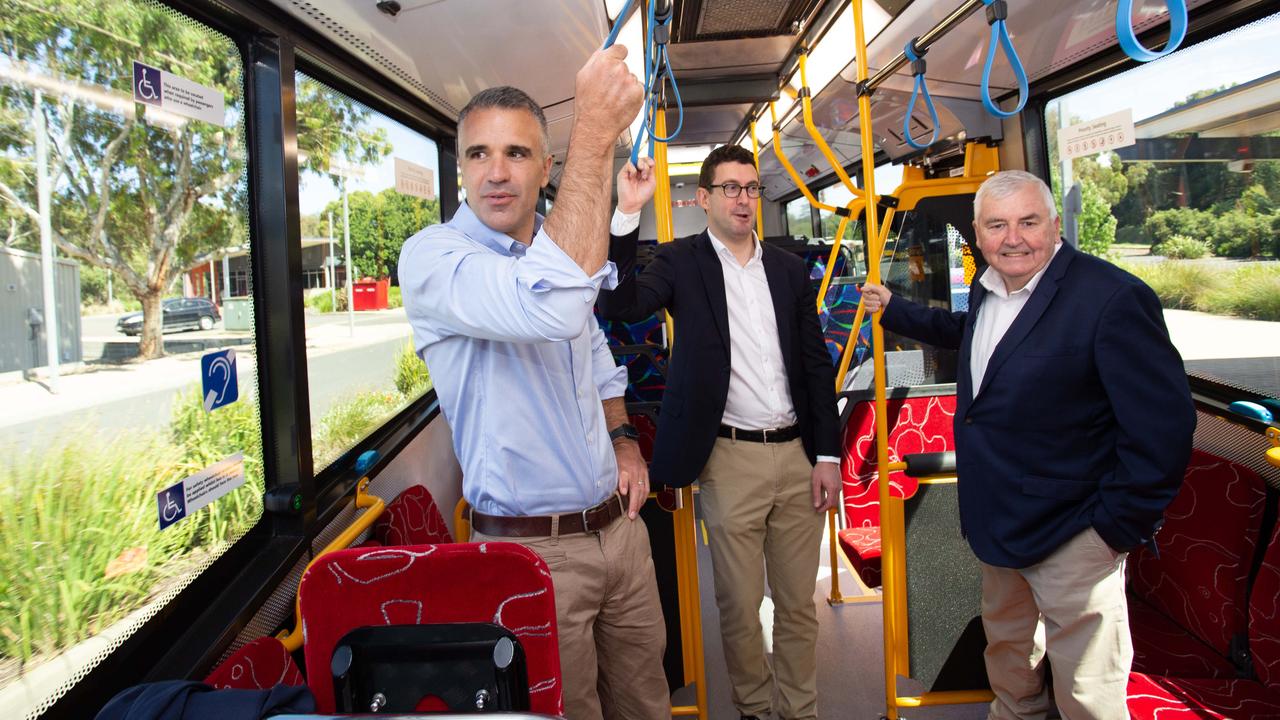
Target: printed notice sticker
(416, 180)
(182, 499)
(178, 95)
(1090, 138)
(219, 381)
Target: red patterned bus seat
(1154, 697)
(412, 519)
(1189, 601)
(262, 664)
(917, 424)
(501, 583)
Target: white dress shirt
(759, 391)
(998, 311)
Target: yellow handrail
(786, 165)
(853, 209)
(807, 108)
(755, 153)
(374, 506)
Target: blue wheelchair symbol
(171, 505)
(147, 85)
(219, 381)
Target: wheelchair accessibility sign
(178, 95)
(182, 499)
(219, 383)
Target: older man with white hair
(1073, 428)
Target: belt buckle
(589, 513)
(764, 436)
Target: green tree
(140, 193)
(379, 226)
(1097, 225)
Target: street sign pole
(346, 240)
(44, 202)
(333, 271)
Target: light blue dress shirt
(519, 363)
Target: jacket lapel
(713, 284)
(1030, 314)
(778, 289)
(964, 381)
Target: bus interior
(172, 496)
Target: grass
(1248, 290)
(83, 547)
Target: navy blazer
(686, 278)
(1083, 419)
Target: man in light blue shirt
(501, 307)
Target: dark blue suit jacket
(685, 277)
(1084, 417)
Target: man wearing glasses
(749, 411)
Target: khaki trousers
(757, 503)
(1071, 606)
(609, 621)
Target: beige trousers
(1070, 606)
(609, 621)
(757, 503)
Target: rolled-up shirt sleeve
(452, 285)
(610, 377)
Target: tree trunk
(151, 342)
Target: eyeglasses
(733, 190)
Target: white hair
(1008, 182)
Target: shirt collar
(992, 281)
(720, 247)
(465, 221)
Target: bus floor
(850, 652)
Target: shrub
(1177, 284)
(393, 297)
(1130, 235)
(1097, 224)
(1252, 291)
(321, 302)
(1164, 224)
(1181, 247)
(348, 421)
(412, 376)
(1238, 234)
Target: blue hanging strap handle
(1129, 42)
(920, 88)
(617, 25)
(997, 12)
(657, 67)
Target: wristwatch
(625, 430)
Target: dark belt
(592, 520)
(761, 436)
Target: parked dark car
(179, 314)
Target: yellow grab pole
(786, 165)
(888, 558)
(373, 505)
(847, 356)
(755, 152)
(807, 108)
(836, 244)
(690, 602)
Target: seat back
(1264, 616)
(921, 423)
(261, 664)
(502, 583)
(1199, 578)
(412, 519)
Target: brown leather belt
(592, 520)
(778, 435)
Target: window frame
(187, 636)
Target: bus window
(836, 196)
(130, 450)
(799, 217)
(368, 183)
(1193, 207)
